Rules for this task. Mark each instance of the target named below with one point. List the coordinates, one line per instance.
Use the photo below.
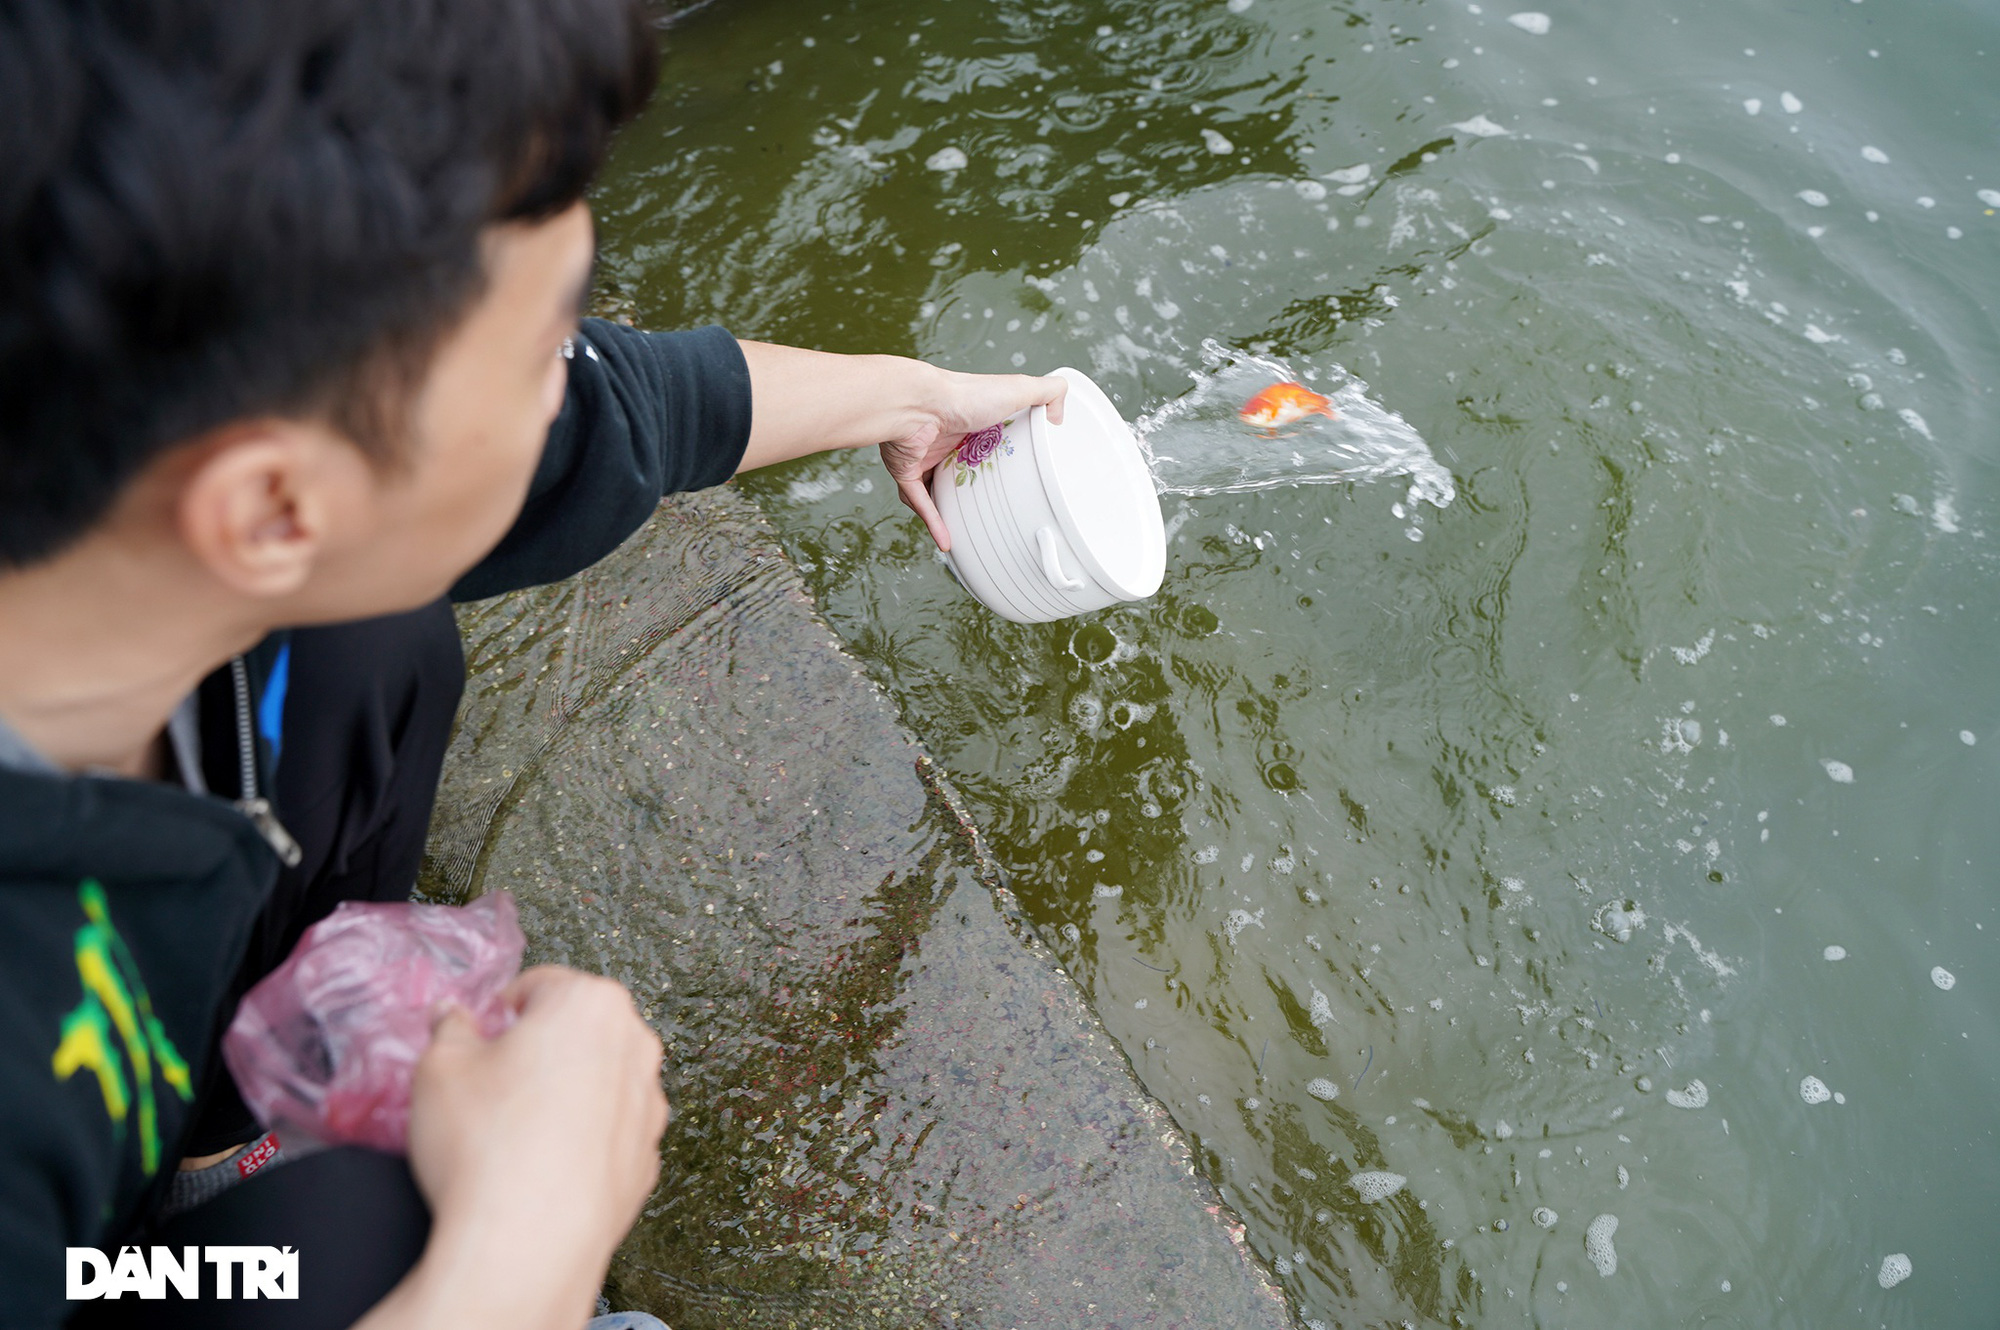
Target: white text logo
(235, 1272)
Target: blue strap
(271, 707)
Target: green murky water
(1507, 830)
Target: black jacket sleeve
(646, 414)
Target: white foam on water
(1544, 1217)
(1944, 514)
(1813, 1090)
(1791, 104)
(1197, 444)
(1376, 1187)
(1835, 953)
(1871, 153)
(1597, 1244)
(1239, 920)
(947, 159)
(1943, 978)
(1217, 142)
(1481, 127)
(812, 491)
(1812, 198)
(1839, 772)
(1990, 197)
(1529, 21)
(1968, 738)
(1319, 1087)
(1895, 1269)
(1693, 1095)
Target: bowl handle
(1052, 566)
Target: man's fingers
(918, 496)
(1054, 401)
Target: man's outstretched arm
(804, 402)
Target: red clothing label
(260, 1152)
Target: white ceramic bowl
(1050, 521)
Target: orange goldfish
(1282, 403)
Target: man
(289, 352)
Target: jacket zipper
(252, 804)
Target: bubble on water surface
(1943, 978)
(1319, 1087)
(1895, 1269)
(1618, 920)
(1791, 104)
(1376, 1187)
(1812, 198)
(1531, 22)
(1693, 1095)
(1835, 953)
(1813, 1090)
(1216, 142)
(1839, 772)
(1481, 127)
(1597, 1244)
(1544, 1217)
(947, 159)
(1873, 154)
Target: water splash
(1197, 445)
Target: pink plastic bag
(325, 1045)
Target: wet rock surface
(891, 1106)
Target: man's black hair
(217, 209)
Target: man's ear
(258, 507)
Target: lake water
(1532, 814)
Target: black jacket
(126, 906)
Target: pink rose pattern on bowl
(977, 447)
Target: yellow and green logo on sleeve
(113, 1032)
